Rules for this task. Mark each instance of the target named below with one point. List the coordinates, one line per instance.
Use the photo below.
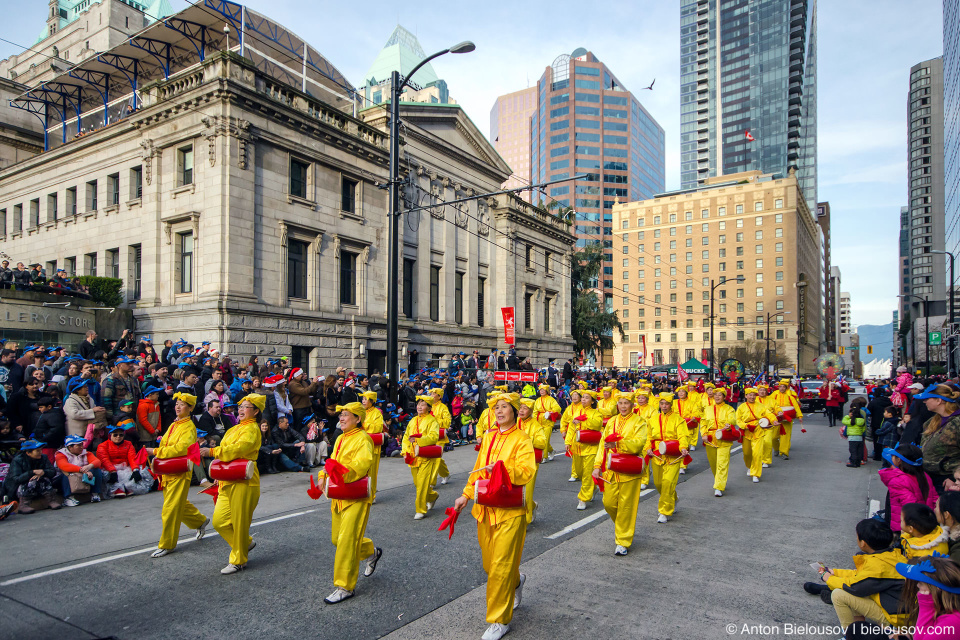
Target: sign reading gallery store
(46, 319)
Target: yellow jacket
(717, 417)
(240, 442)
(544, 405)
(487, 421)
(787, 399)
(667, 426)
(442, 414)
(748, 415)
(706, 401)
(689, 408)
(593, 422)
(429, 430)
(538, 431)
(920, 546)
(354, 450)
(373, 423)
(645, 411)
(515, 448)
(634, 430)
(607, 406)
(767, 401)
(876, 567)
(567, 418)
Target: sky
(865, 51)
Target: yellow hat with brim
(513, 399)
(666, 396)
(185, 397)
(785, 381)
(527, 402)
(544, 386)
(626, 395)
(750, 390)
(369, 395)
(355, 408)
(589, 392)
(429, 399)
(257, 400)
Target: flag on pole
(748, 136)
(682, 375)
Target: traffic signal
(870, 349)
(841, 350)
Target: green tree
(592, 326)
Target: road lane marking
(127, 554)
(872, 507)
(585, 521)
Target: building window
(759, 306)
(779, 233)
(297, 252)
(546, 313)
(185, 166)
(186, 262)
(348, 277)
(758, 248)
(92, 195)
(136, 260)
(299, 172)
(113, 189)
(348, 194)
(528, 255)
(70, 264)
(408, 271)
(481, 292)
(778, 246)
(136, 183)
(739, 209)
(458, 297)
(758, 206)
(779, 304)
(35, 212)
(779, 334)
(71, 209)
(546, 262)
(778, 218)
(3, 222)
(528, 310)
(435, 293)
(113, 263)
(17, 217)
(52, 211)
(778, 204)
(758, 235)
(90, 264)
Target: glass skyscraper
(951, 122)
(748, 96)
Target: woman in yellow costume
(749, 414)
(785, 397)
(176, 507)
(665, 426)
(501, 531)
(694, 397)
(607, 402)
(487, 418)
(586, 419)
(626, 432)
(764, 397)
(444, 419)
(718, 416)
(645, 409)
(547, 410)
(423, 430)
(690, 410)
(573, 410)
(372, 423)
(237, 499)
(353, 454)
(539, 433)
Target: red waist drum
(763, 423)
(625, 463)
(538, 454)
(377, 439)
(789, 413)
(730, 434)
(428, 451)
(503, 499)
(669, 447)
(170, 466)
(348, 490)
(589, 436)
(692, 422)
(233, 471)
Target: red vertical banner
(508, 325)
(642, 357)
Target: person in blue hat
(80, 472)
(30, 480)
(937, 582)
(120, 385)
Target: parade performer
(547, 410)
(372, 424)
(669, 428)
(585, 424)
(696, 400)
(352, 461)
(506, 459)
(423, 430)
(487, 418)
(764, 397)
(237, 499)
(572, 410)
(718, 416)
(444, 419)
(540, 435)
(690, 410)
(625, 433)
(607, 403)
(782, 399)
(176, 507)
(750, 416)
(646, 410)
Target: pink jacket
(903, 490)
(946, 627)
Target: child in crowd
(853, 429)
(920, 533)
(127, 418)
(872, 589)
(937, 583)
(468, 422)
(888, 435)
(906, 481)
(948, 515)
(9, 442)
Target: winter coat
(148, 420)
(941, 449)
(886, 436)
(79, 412)
(903, 489)
(51, 428)
(301, 394)
(22, 468)
(111, 455)
(875, 577)
(854, 428)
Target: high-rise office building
(510, 133)
(748, 95)
(903, 261)
(925, 162)
(829, 334)
(401, 53)
(951, 122)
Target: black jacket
(567, 371)
(22, 411)
(22, 468)
(213, 426)
(51, 428)
(286, 437)
(408, 399)
(919, 414)
(87, 350)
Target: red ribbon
(214, 491)
(335, 470)
(598, 481)
(450, 520)
(314, 491)
(193, 452)
(568, 454)
(141, 458)
(803, 430)
(499, 478)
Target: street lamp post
(713, 288)
(393, 295)
(951, 367)
(926, 317)
(769, 316)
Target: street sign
(936, 338)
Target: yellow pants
(501, 547)
(549, 438)
(442, 470)
(528, 494)
(575, 470)
(232, 517)
(585, 466)
(621, 500)
(849, 606)
(422, 477)
(177, 509)
(346, 533)
(753, 455)
(374, 469)
(719, 459)
(784, 447)
(665, 478)
(768, 444)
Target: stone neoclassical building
(241, 202)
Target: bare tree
(753, 354)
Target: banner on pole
(508, 325)
(515, 376)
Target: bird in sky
(650, 87)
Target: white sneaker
(518, 592)
(252, 545)
(683, 472)
(550, 457)
(766, 466)
(533, 514)
(581, 506)
(429, 506)
(419, 516)
(620, 550)
(495, 631)
(643, 486)
(71, 502)
(756, 479)
(717, 493)
(202, 531)
(662, 519)
(232, 568)
(444, 480)
(372, 562)
(374, 501)
(693, 447)
(338, 596)
(749, 473)
(572, 479)
(159, 553)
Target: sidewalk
(737, 560)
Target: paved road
(86, 572)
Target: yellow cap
(666, 396)
(749, 390)
(544, 386)
(437, 391)
(257, 400)
(785, 381)
(626, 395)
(369, 395)
(512, 399)
(429, 399)
(527, 402)
(355, 408)
(186, 397)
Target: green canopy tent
(692, 367)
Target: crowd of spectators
(35, 278)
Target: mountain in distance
(878, 335)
